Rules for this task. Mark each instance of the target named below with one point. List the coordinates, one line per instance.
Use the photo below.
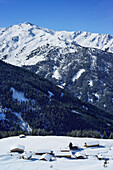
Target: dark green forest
(56, 114)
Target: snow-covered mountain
(80, 62)
(17, 42)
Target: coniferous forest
(47, 107)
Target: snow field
(55, 143)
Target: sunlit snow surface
(78, 74)
(55, 143)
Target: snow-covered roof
(65, 149)
(27, 155)
(78, 154)
(103, 156)
(63, 154)
(18, 146)
(46, 157)
(43, 151)
(92, 143)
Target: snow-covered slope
(17, 42)
(33, 143)
(81, 62)
(7, 116)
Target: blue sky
(70, 15)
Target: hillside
(29, 101)
(79, 62)
(33, 143)
(87, 73)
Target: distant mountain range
(17, 42)
(79, 62)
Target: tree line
(73, 133)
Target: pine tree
(111, 136)
(84, 133)
(104, 135)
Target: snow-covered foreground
(33, 143)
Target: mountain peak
(26, 23)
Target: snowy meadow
(13, 160)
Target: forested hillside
(29, 101)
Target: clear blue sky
(71, 15)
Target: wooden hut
(79, 155)
(102, 157)
(41, 152)
(63, 154)
(92, 144)
(65, 150)
(17, 148)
